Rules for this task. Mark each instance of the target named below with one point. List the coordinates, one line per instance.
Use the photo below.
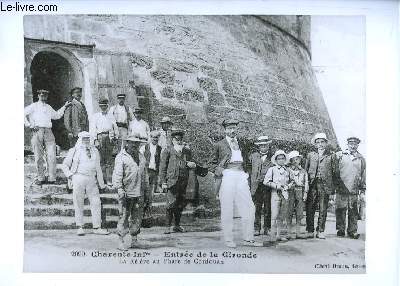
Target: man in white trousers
(229, 163)
(82, 166)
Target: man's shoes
(252, 243)
(230, 244)
(80, 231)
(310, 235)
(320, 235)
(134, 242)
(281, 238)
(178, 228)
(340, 233)
(354, 235)
(266, 231)
(169, 230)
(39, 182)
(100, 231)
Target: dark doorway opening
(53, 72)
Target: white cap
(319, 136)
(294, 154)
(277, 153)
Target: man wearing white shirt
(229, 165)
(38, 116)
(122, 115)
(138, 127)
(104, 130)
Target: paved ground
(198, 250)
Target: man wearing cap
(260, 163)
(152, 153)
(229, 165)
(131, 180)
(104, 130)
(38, 117)
(176, 160)
(165, 133)
(82, 166)
(122, 115)
(319, 167)
(75, 116)
(350, 183)
(138, 127)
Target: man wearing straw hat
(131, 180)
(82, 167)
(319, 166)
(350, 181)
(38, 117)
(228, 164)
(260, 162)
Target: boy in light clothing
(277, 178)
(297, 194)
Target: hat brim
(263, 142)
(273, 159)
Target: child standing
(297, 194)
(277, 178)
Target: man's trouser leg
(311, 204)
(267, 207)
(50, 144)
(299, 205)
(105, 150)
(258, 199)
(92, 192)
(226, 198)
(245, 205)
(136, 215)
(37, 142)
(148, 198)
(79, 184)
(341, 209)
(124, 212)
(352, 214)
(291, 202)
(180, 202)
(275, 209)
(323, 201)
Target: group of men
(117, 148)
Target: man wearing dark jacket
(176, 159)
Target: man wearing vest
(82, 166)
(350, 181)
(152, 153)
(131, 180)
(138, 127)
(229, 164)
(175, 162)
(260, 164)
(104, 130)
(38, 117)
(122, 115)
(319, 167)
(75, 116)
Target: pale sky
(338, 58)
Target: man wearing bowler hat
(229, 164)
(319, 166)
(138, 127)
(104, 130)
(38, 117)
(75, 116)
(176, 160)
(131, 180)
(260, 163)
(350, 187)
(122, 115)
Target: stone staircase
(51, 206)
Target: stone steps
(30, 172)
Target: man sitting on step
(82, 166)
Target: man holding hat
(350, 181)
(165, 133)
(152, 153)
(82, 166)
(319, 167)
(138, 127)
(229, 165)
(122, 115)
(176, 160)
(104, 130)
(260, 163)
(75, 116)
(38, 117)
(131, 180)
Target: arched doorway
(49, 70)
